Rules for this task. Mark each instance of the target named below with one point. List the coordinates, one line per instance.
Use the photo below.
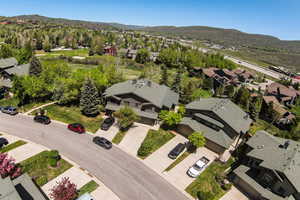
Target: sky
(280, 18)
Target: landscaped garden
(73, 114)
(206, 186)
(153, 141)
(119, 137)
(178, 160)
(88, 188)
(45, 166)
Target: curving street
(126, 176)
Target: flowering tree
(64, 190)
(8, 167)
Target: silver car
(10, 110)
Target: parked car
(107, 123)
(76, 127)
(3, 142)
(101, 141)
(176, 151)
(196, 169)
(43, 119)
(10, 110)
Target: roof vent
(149, 83)
(260, 146)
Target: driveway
(159, 160)
(134, 138)
(126, 176)
(26, 151)
(110, 133)
(178, 177)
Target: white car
(196, 169)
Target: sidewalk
(42, 106)
(26, 151)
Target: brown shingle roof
(210, 72)
(274, 87)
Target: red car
(76, 127)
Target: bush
(227, 186)
(42, 180)
(52, 162)
(54, 154)
(146, 148)
(205, 195)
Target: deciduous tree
(8, 167)
(35, 66)
(126, 117)
(64, 190)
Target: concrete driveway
(134, 138)
(159, 160)
(110, 133)
(26, 151)
(178, 177)
(126, 176)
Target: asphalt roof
(8, 62)
(270, 150)
(218, 137)
(158, 95)
(6, 83)
(225, 109)
(19, 70)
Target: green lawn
(73, 114)
(88, 188)
(178, 160)
(119, 137)
(9, 102)
(206, 182)
(75, 52)
(153, 141)
(12, 146)
(38, 168)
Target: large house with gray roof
(21, 188)
(145, 97)
(9, 68)
(220, 120)
(271, 168)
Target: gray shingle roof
(6, 83)
(232, 114)
(158, 95)
(269, 149)
(8, 62)
(218, 137)
(19, 70)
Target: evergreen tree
(89, 100)
(255, 107)
(164, 76)
(208, 84)
(242, 98)
(176, 86)
(142, 56)
(219, 91)
(230, 91)
(35, 67)
(5, 51)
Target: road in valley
(126, 176)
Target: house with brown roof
(110, 50)
(284, 95)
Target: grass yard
(38, 168)
(119, 137)
(178, 160)
(73, 114)
(9, 102)
(153, 141)
(12, 146)
(75, 52)
(88, 188)
(263, 125)
(206, 182)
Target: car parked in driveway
(101, 141)
(3, 142)
(176, 151)
(198, 167)
(43, 119)
(76, 127)
(107, 123)
(10, 110)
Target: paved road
(127, 177)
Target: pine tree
(164, 76)
(89, 100)
(255, 107)
(35, 67)
(176, 86)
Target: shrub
(205, 195)
(52, 162)
(42, 180)
(54, 154)
(146, 148)
(227, 186)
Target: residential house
(270, 169)
(284, 95)
(110, 50)
(9, 68)
(131, 54)
(220, 120)
(21, 188)
(145, 97)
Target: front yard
(88, 188)
(73, 114)
(12, 146)
(38, 167)
(206, 183)
(153, 141)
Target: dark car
(42, 119)
(107, 123)
(3, 142)
(101, 141)
(10, 110)
(76, 127)
(176, 151)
